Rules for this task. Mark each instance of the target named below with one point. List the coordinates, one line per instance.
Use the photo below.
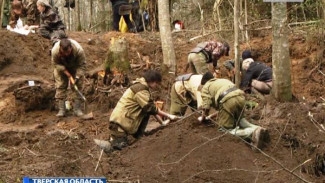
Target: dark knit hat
(246, 54)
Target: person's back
(258, 71)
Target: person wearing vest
(185, 93)
(131, 114)
(223, 95)
(205, 53)
(258, 76)
(69, 62)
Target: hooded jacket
(135, 104)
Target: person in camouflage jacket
(51, 26)
(24, 9)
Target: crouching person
(68, 59)
(258, 76)
(185, 93)
(51, 26)
(131, 114)
(230, 102)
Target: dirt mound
(36, 143)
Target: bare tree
(166, 36)
(236, 44)
(281, 89)
(1, 11)
(216, 13)
(78, 28)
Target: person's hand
(166, 122)
(201, 119)
(26, 27)
(173, 117)
(72, 80)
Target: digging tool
(73, 82)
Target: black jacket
(258, 71)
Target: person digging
(68, 60)
(230, 102)
(130, 117)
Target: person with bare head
(258, 77)
(68, 59)
(51, 26)
(24, 9)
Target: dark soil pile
(36, 143)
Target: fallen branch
(300, 165)
(100, 157)
(197, 37)
(321, 72)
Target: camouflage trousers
(53, 35)
(62, 83)
(197, 62)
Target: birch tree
(281, 89)
(236, 44)
(166, 36)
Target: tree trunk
(166, 36)
(281, 89)
(216, 13)
(1, 11)
(117, 57)
(79, 28)
(91, 13)
(236, 44)
(152, 10)
(246, 22)
(202, 18)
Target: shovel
(86, 116)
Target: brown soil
(33, 142)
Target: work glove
(200, 119)
(173, 117)
(166, 122)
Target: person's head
(227, 48)
(246, 63)
(42, 4)
(65, 47)
(246, 54)
(206, 77)
(17, 7)
(153, 78)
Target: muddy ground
(33, 142)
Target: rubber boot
(77, 108)
(61, 107)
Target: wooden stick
(100, 157)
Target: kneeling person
(132, 112)
(185, 92)
(223, 95)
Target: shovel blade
(88, 116)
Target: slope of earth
(36, 143)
